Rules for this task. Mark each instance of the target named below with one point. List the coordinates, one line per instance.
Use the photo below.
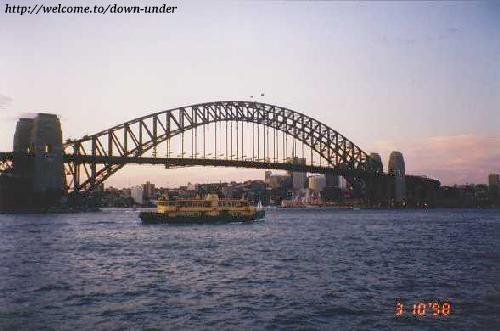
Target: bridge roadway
(187, 162)
(221, 162)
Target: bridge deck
(187, 162)
(183, 162)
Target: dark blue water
(301, 269)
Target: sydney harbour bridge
(224, 133)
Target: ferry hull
(161, 218)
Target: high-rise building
(149, 190)
(317, 183)
(377, 160)
(299, 179)
(397, 169)
(396, 164)
(494, 180)
(137, 193)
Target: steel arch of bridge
(132, 139)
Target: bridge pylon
(36, 179)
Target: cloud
(457, 159)
(4, 101)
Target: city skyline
(415, 77)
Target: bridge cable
(237, 140)
(258, 142)
(253, 140)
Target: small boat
(210, 210)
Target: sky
(419, 77)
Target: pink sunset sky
(454, 159)
(419, 77)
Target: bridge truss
(224, 133)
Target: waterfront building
(397, 169)
(494, 180)
(299, 179)
(148, 190)
(377, 159)
(191, 187)
(332, 180)
(494, 189)
(137, 193)
(277, 181)
(342, 183)
(317, 183)
(267, 176)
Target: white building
(342, 183)
(137, 193)
(317, 183)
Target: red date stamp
(421, 309)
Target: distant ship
(210, 210)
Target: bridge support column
(48, 174)
(37, 179)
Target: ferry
(210, 210)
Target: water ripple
(301, 269)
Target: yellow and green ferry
(210, 210)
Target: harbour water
(300, 269)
